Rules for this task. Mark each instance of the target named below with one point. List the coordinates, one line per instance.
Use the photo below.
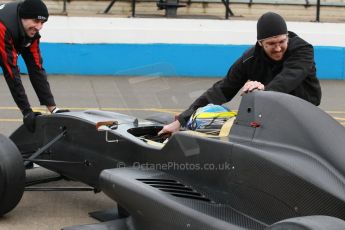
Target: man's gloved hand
(29, 119)
(57, 110)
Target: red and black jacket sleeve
(38, 77)
(8, 62)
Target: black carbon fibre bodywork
(284, 158)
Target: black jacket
(13, 42)
(295, 75)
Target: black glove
(57, 110)
(29, 119)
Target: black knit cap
(33, 9)
(269, 25)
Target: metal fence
(306, 3)
(171, 6)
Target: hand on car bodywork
(170, 128)
(29, 119)
(252, 85)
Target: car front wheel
(12, 175)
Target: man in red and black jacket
(20, 23)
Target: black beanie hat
(269, 25)
(33, 9)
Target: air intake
(175, 188)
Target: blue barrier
(191, 60)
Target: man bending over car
(279, 61)
(20, 23)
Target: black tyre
(12, 175)
(309, 223)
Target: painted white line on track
(339, 118)
(10, 120)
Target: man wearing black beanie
(279, 61)
(20, 23)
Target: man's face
(275, 47)
(32, 26)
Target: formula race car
(281, 166)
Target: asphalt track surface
(137, 96)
